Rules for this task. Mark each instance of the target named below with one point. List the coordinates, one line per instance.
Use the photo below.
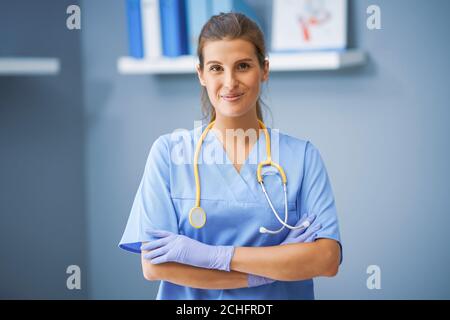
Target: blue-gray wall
(42, 207)
(381, 129)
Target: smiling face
(232, 76)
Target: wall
(73, 149)
(381, 129)
(42, 213)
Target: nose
(230, 80)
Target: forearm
(290, 262)
(194, 277)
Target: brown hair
(230, 26)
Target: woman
(227, 257)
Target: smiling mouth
(232, 97)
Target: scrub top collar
(245, 179)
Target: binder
(198, 12)
(151, 30)
(173, 28)
(135, 46)
(240, 6)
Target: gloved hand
(303, 235)
(294, 236)
(179, 248)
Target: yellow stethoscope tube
(197, 216)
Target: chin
(229, 114)
(233, 112)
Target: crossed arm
(290, 262)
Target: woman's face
(232, 76)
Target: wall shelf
(317, 60)
(29, 66)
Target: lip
(231, 97)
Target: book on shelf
(135, 45)
(173, 28)
(170, 28)
(197, 12)
(151, 30)
(240, 6)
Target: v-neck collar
(242, 181)
(254, 148)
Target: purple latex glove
(294, 236)
(171, 247)
(303, 235)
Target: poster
(309, 25)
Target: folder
(135, 46)
(151, 30)
(174, 28)
(198, 13)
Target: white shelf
(325, 60)
(29, 66)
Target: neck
(248, 121)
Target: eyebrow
(241, 60)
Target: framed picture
(299, 25)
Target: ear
(200, 75)
(265, 75)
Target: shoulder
(177, 135)
(166, 144)
(160, 145)
(159, 150)
(298, 148)
(293, 143)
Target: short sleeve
(316, 195)
(152, 207)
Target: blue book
(198, 12)
(135, 44)
(173, 28)
(239, 6)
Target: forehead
(228, 50)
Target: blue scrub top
(234, 203)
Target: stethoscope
(197, 216)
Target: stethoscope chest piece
(197, 217)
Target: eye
(243, 66)
(214, 68)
